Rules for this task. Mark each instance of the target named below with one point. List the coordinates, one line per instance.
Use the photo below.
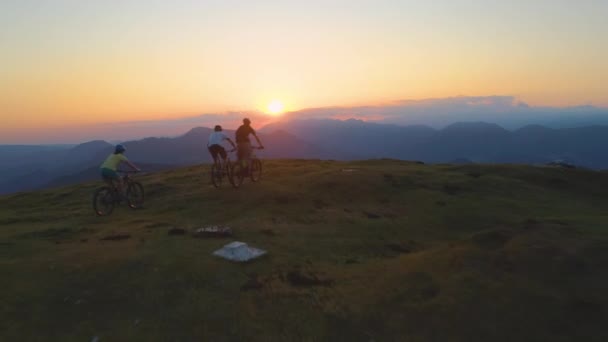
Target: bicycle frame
(252, 156)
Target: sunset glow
(275, 107)
(89, 62)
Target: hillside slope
(377, 250)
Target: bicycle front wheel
(256, 170)
(216, 175)
(135, 195)
(103, 201)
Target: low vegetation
(378, 250)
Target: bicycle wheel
(216, 175)
(227, 169)
(103, 201)
(236, 175)
(256, 170)
(135, 195)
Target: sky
(79, 63)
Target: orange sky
(66, 63)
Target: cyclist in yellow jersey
(110, 165)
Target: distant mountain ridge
(476, 141)
(39, 167)
(29, 168)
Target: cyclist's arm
(132, 165)
(258, 139)
(231, 143)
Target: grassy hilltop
(378, 250)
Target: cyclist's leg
(113, 180)
(248, 156)
(214, 154)
(244, 154)
(222, 161)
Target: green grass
(390, 251)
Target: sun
(275, 107)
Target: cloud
(506, 111)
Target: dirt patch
(302, 278)
(402, 247)
(371, 215)
(441, 203)
(176, 231)
(155, 225)
(116, 237)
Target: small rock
(213, 231)
(371, 215)
(116, 237)
(176, 231)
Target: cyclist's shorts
(216, 150)
(109, 174)
(243, 150)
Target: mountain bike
(106, 197)
(220, 169)
(253, 170)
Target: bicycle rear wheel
(256, 170)
(236, 175)
(135, 195)
(216, 175)
(103, 201)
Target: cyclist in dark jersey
(243, 144)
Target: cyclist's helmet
(119, 149)
(246, 121)
(218, 128)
